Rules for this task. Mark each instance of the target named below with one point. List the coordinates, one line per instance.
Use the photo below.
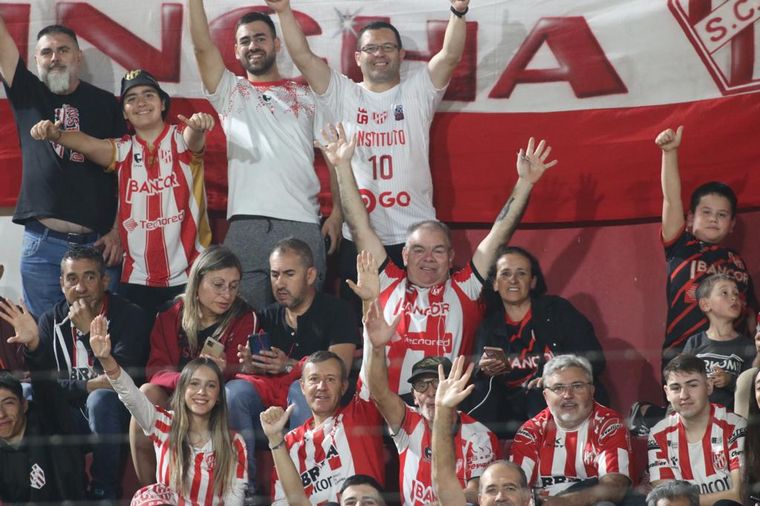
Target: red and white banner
(597, 78)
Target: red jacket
(168, 354)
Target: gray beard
(57, 81)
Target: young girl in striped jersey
(199, 462)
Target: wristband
(459, 14)
(112, 371)
(273, 448)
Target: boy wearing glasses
(700, 442)
(475, 446)
(575, 447)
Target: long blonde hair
(225, 454)
(212, 259)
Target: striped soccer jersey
(348, 443)
(690, 261)
(162, 208)
(707, 463)
(437, 321)
(391, 163)
(554, 459)
(156, 423)
(475, 447)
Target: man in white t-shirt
(390, 115)
(700, 442)
(269, 124)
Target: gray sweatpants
(252, 240)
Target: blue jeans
(107, 420)
(301, 411)
(41, 270)
(244, 406)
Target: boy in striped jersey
(694, 254)
(162, 198)
(576, 451)
(699, 442)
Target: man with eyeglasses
(391, 117)
(475, 446)
(699, 441)
(60, 345)
(575, 451)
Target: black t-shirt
(57, 182)
(690, 261)
(328, 321)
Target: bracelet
(273, 448)
(112, 372)
(459, 14)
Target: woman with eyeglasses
(209, 321)
(522, 329)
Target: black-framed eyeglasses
(422, 385)
(374, 48)
(576, 387)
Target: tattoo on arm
(506, 208)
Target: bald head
(504, 482)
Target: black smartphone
(258, 342)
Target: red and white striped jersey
(156, 424)
(474, 444)
(391, 163)
(554, 459)
(162, 208)
(348, 443)
(707, 463)
(437, 321)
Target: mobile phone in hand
(494, 352)
(213, 348)
(258, 342)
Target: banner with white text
(597, 78)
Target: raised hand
(378, 330)
(200, 121)
(338, 150)
(668, 140)
(531, 163)
(273, 422)
(453, 390)
(27, 332)
(278, 5)
(367, 287)
(460, 5)
(46, 130)
(100, 341)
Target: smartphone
(213, 347)
(258, 342)
(495, 352)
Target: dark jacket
(129, 328)
(558, 327)
(40, 470)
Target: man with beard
(302, 321)
(64, 199)
(576, 451)
(391, 117)
(268, 121)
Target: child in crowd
(725, 351)
(694, 254)
(162, 199)
(199, 460)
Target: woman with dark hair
(523, 328)
(200, 461)
(210, 310)
(751, 478)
